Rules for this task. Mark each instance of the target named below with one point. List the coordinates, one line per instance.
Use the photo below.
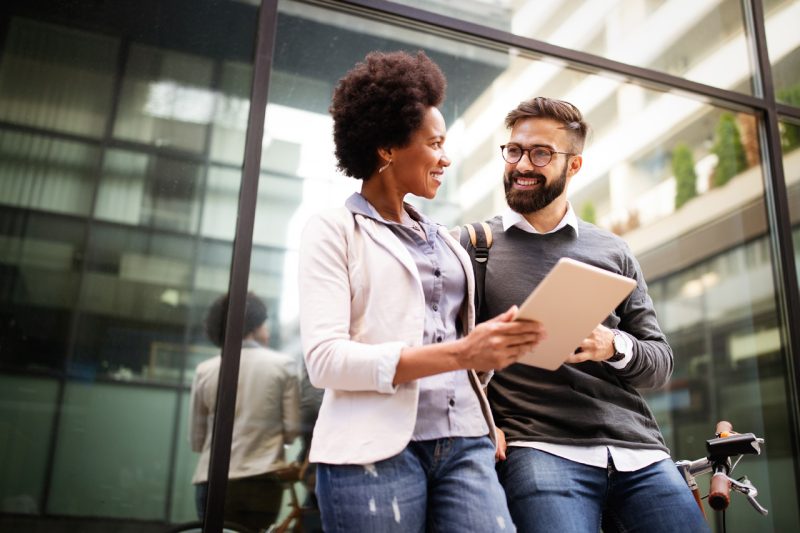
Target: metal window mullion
(787, 110)
(655, 79)
(88, 239)
(221, 436)
(787, 295)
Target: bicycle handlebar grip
(723, 426)
(719, 495)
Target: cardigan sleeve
(333, 359)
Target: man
(584, 450)
(267, 417)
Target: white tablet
(570, 302)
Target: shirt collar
(359, 205)
(512, 218)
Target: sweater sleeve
(652, 361)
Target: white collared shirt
(512, 218)
(625, 459)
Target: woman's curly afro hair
(379, 103)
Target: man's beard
(524, 202)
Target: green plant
(685, 176)
(728, 149)
(790, 136)
(588, 212)
(790, 133)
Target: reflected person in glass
(584, 451)
(404, 441)
(267, 417)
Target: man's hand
(500, 452)
(598, 346)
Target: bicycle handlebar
(719, 493)
(725, 445)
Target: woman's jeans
(436, 485)
(548, 493)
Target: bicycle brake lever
(757, 506)
(750, 491)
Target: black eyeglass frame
(531, 158)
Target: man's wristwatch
(622, 346)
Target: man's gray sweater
(589, 403)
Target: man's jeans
(548, 493)
(435, 485)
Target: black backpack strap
(480, 238)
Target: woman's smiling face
(419, 166)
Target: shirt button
(452, 402)
(435, 307)
(439, 338)
(437, 272)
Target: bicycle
(725, 445)
(291, 475)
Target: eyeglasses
(540, 156)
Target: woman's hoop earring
(384, 167)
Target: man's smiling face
(530, 188)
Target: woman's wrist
(458, 354)
(428, 360)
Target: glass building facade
(129, 129)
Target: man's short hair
(558, 110)
(255, 314)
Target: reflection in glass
(170, 100)
(266, 420)
(790, 142)
(720, 318)
(26, 436)
(40, 258)
(229, 123)
(700, 41)
(110, 116)
(102, 465)
(132, 275)
(165, 99)
(150, 190)
(57, 78)
(783, 46)
(48, 174)
(220, 203)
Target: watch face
(618, 347)
(620, 343)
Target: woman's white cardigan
(361, 302)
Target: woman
(404, 438)
(267, 417)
